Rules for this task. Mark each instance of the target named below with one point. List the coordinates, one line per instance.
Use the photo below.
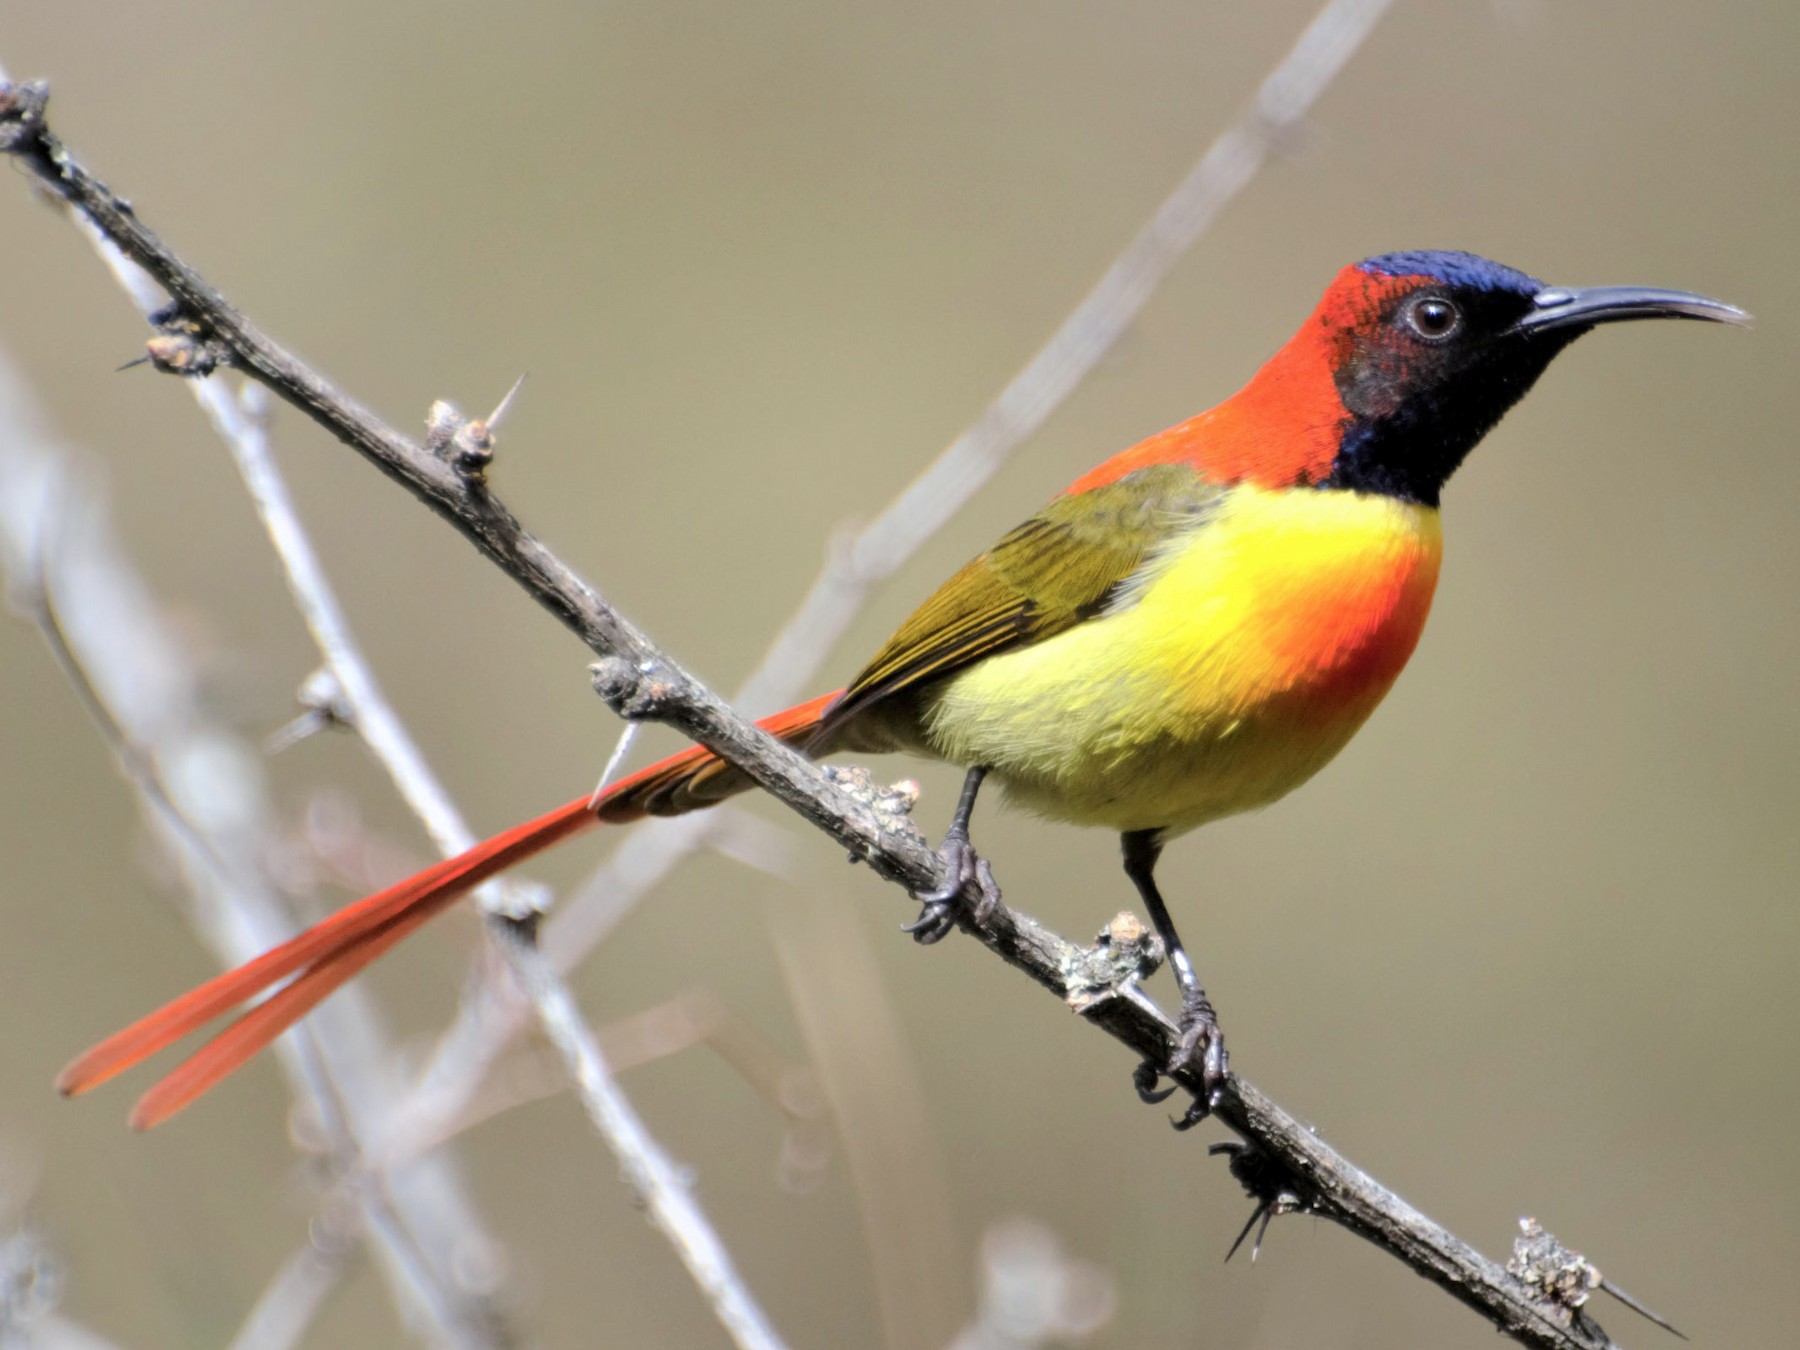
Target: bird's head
(1405, 364)
(1408, 360)
(1428, 350)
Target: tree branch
(655, 1176)
(1289, 1168)
(650, 1171)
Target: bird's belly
(1235, 668)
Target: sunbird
(1190, 630)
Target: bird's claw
(936, 919)
(1200, 1050)
(1145, 1078)
(937, 912)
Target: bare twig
(493, 1013)
(640, 682)
(293, 1299)
(242, 425)
(678, 1024)
(203, 795)
(645, 1167)
(440, 1213)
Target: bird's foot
(1199, 1050)
(937, 912)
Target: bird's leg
(961, 865)
(1202, 1044)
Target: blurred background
(1526, 948)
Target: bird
(1190, 630)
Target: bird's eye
(1433, 318)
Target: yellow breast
(1229, 672)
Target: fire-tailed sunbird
(1190, 630)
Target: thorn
(500, 409)
(621, 748)
(286, 737)
(1642, 1311)
(322, 704)
(1260, 1212)
(1272, 1187)
(470, 443)
(1261, 1233)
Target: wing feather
(1062, 566)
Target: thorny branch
(357, 699)
(652, 1173)
(204, 798)
(1297, 1170)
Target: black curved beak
(1565, 307)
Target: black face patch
(1428, 377)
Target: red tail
(337, 947)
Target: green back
(1064, 565)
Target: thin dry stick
(643, 1163)
(641, 1160)
(242, 426)
(678, 1024)
(203, 795)
(443, 1215)
(650, 1172)
(493, 1013)
(293, 1299)
(1293, 1167)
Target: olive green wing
(1064, 565)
